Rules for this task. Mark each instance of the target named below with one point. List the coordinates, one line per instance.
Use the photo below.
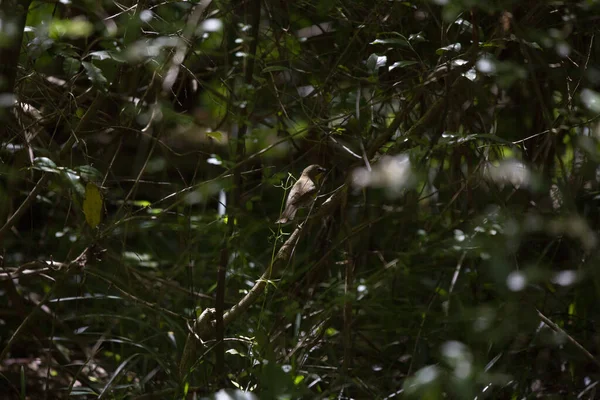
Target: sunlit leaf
(451, 47)
(374, 62)
(391, 41)
(402, 64)
(92, 205)
(45, 164)
(72, 28)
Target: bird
(302, 193)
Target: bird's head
(314, 171)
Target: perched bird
(302, 193)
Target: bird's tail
(287, 215)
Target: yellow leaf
(217, 135)
(92, 205)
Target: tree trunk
(13, 14)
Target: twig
(455, 279)
(558, 329)
(153, 306)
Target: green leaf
(72, 179)
(451, 47)
(275, 68)
(417, 37)
(102, 55)
(66, 50)
(402, 64)
(45, 164)
(71, 28)
(374, 62)
(217, 135)
(88, 173)
(71, 66)
(393, 41)
(94, 74)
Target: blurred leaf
(230, 394)
(94, 74)
(217, 135)
(102, 55)
(393, 41)
(71, 28)
(71, 66)
(591, 100)
(275, 68)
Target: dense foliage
(148, 148)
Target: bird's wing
(297, 194)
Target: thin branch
(558, 329)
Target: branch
(204, 326)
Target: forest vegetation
(445, 247)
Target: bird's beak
(321, 172)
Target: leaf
(71, 28)
(590, 99)
(275, 68)
(92, 205)
(417, 37)
(233, 394)
(94, 74)
(115, 374)
(466, 26)
(66, 50)
(45, 164)
(102, 55)
(216, 135)
(73, 180)
(402, 64)
(451, 47)
(374, 62)
(88, 172)
(400, 42)
(71, 66)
